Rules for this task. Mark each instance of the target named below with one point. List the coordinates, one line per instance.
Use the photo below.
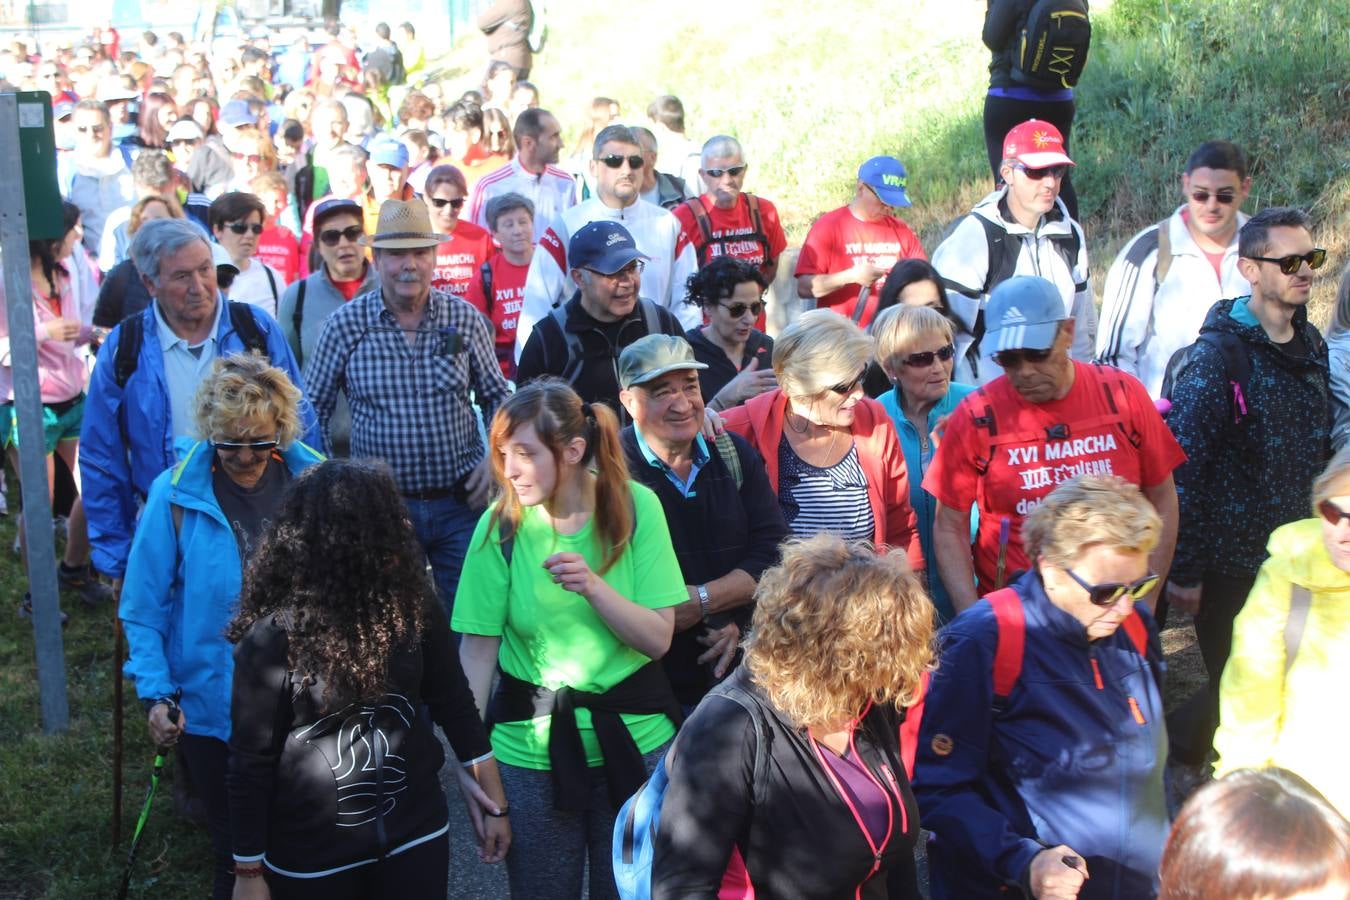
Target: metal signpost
(26, 124)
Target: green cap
(653, 356)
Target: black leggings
(207, 759)
(418, 873)
(1002, 114)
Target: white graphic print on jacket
(361, 744)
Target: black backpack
(1237, 370)
(132, 332)
(1052, 44)
(705, 226)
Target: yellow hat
(403, 225)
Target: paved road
(469, 878)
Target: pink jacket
(61, 373)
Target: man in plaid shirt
(406, 357)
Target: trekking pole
(119, 650)
(156, 770)
(1004, 528)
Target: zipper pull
(1138, 713)
(1097, 675)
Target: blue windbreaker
(127, 437)
(1066, 762)
(181, 591)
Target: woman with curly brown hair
(341, 649)
(790, 780)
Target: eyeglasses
(237, 446)
(1012, 359)
(1056, 172)
(191, 142)
(736, 310)
(1332, 513)
(248, 157)
(91, 129)
(332, 236)
(843, 389)
(1224, 196)
(733, 171)
(925, 359)
(456, 204)
(614, 161)
(1110, 592)
(1290, 264)
(634, 269)
(244, 228)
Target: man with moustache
(406, 357)
(533, 173)
(616, 168)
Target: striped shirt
(409, 401)
(833, 499)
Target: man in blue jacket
(139, 402)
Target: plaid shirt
(409, 401)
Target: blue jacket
(1065, 762)
(916, 464)
(182, 584)
(127, 437)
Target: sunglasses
(190, 142)
(91, 129)
(1012, 359)
(248, 157)
(1109, 593)
(1224, 196)
(455, 204)
(925, 359)
(236, 446)
(1057, 172)
(243, 228)
(332, 236)
(733, 171)
(736, 310)
(845, 388)
(1332, 513)
(1290, 264)
(614, 161)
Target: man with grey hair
(616, 170)
(727, 221)
(661, 188)
(140, 393)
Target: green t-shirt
(552, 636)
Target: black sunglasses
(244, 228)
(440, 202)
(736, 310)
(236, 446)
(1290, 264)
(1056, 171)
(1224, 196)
(845, 388)
(925, 359)
(733, 171)
(1332, 513)
(1012, 359)
(1110, 592)
(332, 236)
(614, 160)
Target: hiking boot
(26, 609)
(83, 581)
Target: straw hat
(403, 225)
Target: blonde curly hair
(837, 625)
(246, 386)
(1090, 510)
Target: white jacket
(1144, 323)
(551, 192)
(658, 235)
(963, 261)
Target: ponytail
(613, 494)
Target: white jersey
(658, 235)
(551, 192)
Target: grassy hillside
(812, 89)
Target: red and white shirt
(839, 240)
(551, 192)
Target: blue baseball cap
(605, 247)
(237, 113)
(387, 151)
(1024, 313)
(886, 176)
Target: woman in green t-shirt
(568, 587)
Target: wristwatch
(703, 600)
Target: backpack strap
(651, 319)
(272, 280)
(727, 450)
(131, 335)
(1002, 253)
(1137, 632)
(244, 322)
(704, 223)
(757, 223)
(1011, 643)
(572, 341)
(485, 271)
(297, 318)
(1300, 604)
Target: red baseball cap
(1036, 144)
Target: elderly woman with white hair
(832, 454)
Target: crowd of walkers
(388, 415)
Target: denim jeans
(443, 527)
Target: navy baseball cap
(332, 206)
(604, 247)
(1024, 313)
(886, 175)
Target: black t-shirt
(249, 510)
(1296, 346)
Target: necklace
(804, 433)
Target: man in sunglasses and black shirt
(1022, 228)
(1252, 448)
(1046, 420)
(1166, 278)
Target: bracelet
(703, 601)
(254, 871)
(505, 811)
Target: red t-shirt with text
(508, 293)
(459, 263)
(733, 232)
(1033, 447)
(279, 249)
(840, 240)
